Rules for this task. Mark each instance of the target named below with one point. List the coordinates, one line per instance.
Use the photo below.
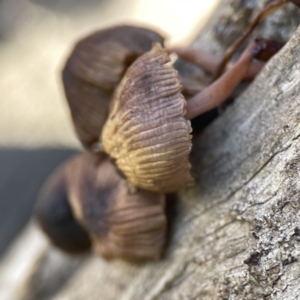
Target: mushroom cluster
(87, 203)
(128, 110)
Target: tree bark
(236, 234)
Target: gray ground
(22, 173)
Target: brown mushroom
(93, 71)
(120, 223)
(148, 129)
(55, 217)
(148, 133)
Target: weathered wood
(236, 234)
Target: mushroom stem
(254, 69)
(268, 49)
(206, 61)
(210, 62)
(221, 89)
(260, 17)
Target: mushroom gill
(147, 133)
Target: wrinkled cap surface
(146, 131)
(121, 224)
(93, 71)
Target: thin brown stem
(254, 69)
(209, 62)
(260, 17)
(222, 88)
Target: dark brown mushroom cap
(121, 224)
(93, 71)
(55, 217)
(146, 132)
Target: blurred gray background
(35, 38)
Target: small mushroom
(93, 71)
(148, 129)
(122, 223)
(55, 217)
(148, 133)
(119, 222)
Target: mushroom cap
(121, 224)
(55, 217)
(146, 132)
(93, 71)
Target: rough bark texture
(236, 234)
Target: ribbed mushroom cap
(93, 71)
(121, 224)
(146, 131)
(55, 217)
